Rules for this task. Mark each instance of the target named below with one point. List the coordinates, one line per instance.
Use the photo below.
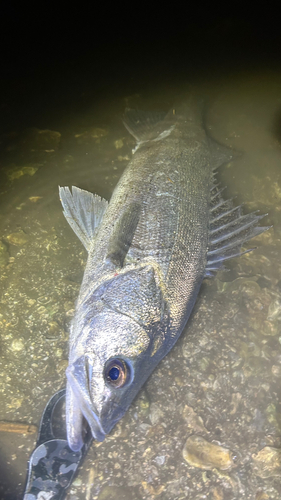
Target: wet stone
(270, 329)
(261, 495)
(143, 405)
(53, 330)
(17, 345)
(267, 462)
(119, 143)
(193, 420)
(217, 494)
(273, 416)
(274, 310)
(93, 134)
(18, 239)
(155, 414)
(16, 172)
(200, 453)
(34, 199)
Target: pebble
(18, 239)
(267, 462)
(200, 453)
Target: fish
(165, 229)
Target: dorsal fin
(83, 212)
(142, 124)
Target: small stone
(270, 329)
(235, 400)
(34, 199)
(155, 413)
(18, 239)
(193, 420)
(58, 353)
(274, 310)
(267, 462)
(217, 494)
(17, 172)
(53, 330)
(273, 416)
(95, 133)
(200, 453)
(276, 370)
(123, 158)
(160, 460)
(17, 345)
(261, 495)
(119, 143)
(15, 403)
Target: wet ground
(207, 424)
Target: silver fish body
(166, 228)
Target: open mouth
(96, 428)
(78, 379)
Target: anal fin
(229, 230)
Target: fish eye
(116, 372)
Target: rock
(93, 134)
(200, 453)
(16, 172)
(34, 199)
(119, 143)
(155, 413)
(18, 239)
(193, 420)
(267, 462)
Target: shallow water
(222, 379)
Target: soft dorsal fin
(122, 234)
(83, 212)
(142, 124)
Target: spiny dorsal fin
(122, 234)
(229, 230)
(83, 212)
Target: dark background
(51, 54)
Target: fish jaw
(79, 405)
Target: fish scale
(165, 229)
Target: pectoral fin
(122, 234)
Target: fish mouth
(81, 400)
(94, 422)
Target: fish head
(103, 381)
(119, 343)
